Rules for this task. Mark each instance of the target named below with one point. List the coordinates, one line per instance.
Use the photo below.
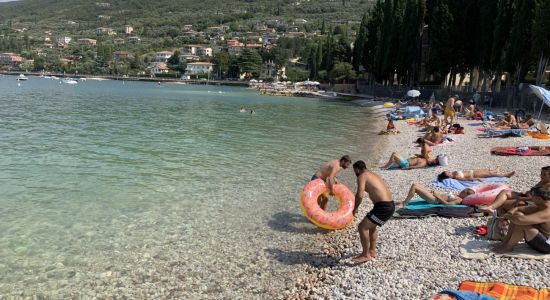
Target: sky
(8, 0)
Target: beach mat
(504, 291)
(451, 183)
(507, 151)
(481, 249)
(460, 295)
(421, 208)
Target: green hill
(172, 14)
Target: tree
(342, 71)
(312, 63)
(359, 44)
(519, 47)
(541, 38)
(174, 60)
(250, 63)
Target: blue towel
(422, 204)
(467, 295)
(454, 184)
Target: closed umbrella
(413, 93)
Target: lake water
(139, 190)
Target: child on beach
(380, 195)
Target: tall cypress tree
(541, 37)
(359, 44)
(520, 38)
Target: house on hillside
(105, 30)
(163, 56)
(128, 29)
(118, 41)
(65, 40)
(158, 68)
(121, 55)
(134, 39)
(90, 42)
(195, 68)
(196, 50)
(187, 27)
(189, 57)
(10, 59)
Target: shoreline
(412, 252)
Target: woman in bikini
(434, 197)
(473, 175)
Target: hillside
(171, 14)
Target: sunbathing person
(397, 161)
(507, 199)
(508, 122)
(390, 129)
(473, 175)
(528, 123)
(529, 223)
(434, 137)
(435, 197)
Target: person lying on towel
(426, 158)
(434, 197)
(529, 223)
(473, 175)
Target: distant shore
(122, 78)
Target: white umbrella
(543, 94)
(413, 93)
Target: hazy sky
(8, 0)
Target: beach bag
(443, 159)
(497, 228)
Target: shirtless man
(328, 173)
(506, 200)
(383, 209)
(531, 223)
(508, 122)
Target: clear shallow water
(112, 188)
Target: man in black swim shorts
(380, 195)
(531, 223)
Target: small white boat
(69, 81)
(54, 78)
(22, 77)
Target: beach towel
(451, 183)
(421, 208)
(532, 151)
(460, 295)
(481, 249)
(504, 291)
(505, 132)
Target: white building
(199, 68)
(128, 29)
(63, 40)
(163, 56)
(196, 50)
(157, 68)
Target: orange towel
(503, 291)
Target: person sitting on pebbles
(473, 175)
(529, 223)
(434, 197)
(426, 158)
(384, 207)
(507, 199)
(390, 129)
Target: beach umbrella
(543, 94)
(413, 93)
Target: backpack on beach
(497, 228)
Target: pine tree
(520, 38)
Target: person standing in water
(328, 173)
(384, 207)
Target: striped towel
(503, 291)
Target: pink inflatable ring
(324, 219)
(485, 193)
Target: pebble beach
(417, 258)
